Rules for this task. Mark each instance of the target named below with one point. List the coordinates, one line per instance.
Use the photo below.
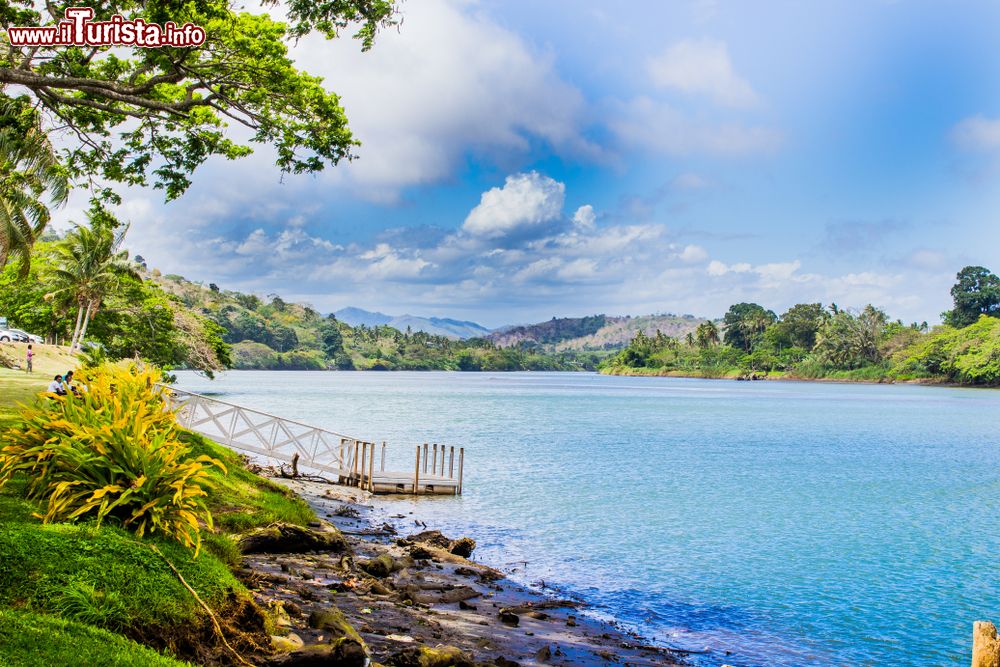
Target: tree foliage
(976, 292)
(138, 115)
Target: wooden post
(425, 457)
(371, 470)
(451, 462)
(985, 647)
(383, 456)
(434, 461)
(416, 473)
(461, 466)
(295, 465)
(354, 463)
(364, 464)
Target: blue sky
(523, 160)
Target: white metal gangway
(350, 460)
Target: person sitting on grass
(68, 384)
(56, 386)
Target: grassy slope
(107, 578)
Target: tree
(90, 263)
(137, 112)
(707, 334)
(744, 323)
(852, 341)
(333, 340)
(799, 325)
(30, 173)
(976, 292)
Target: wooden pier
(437, 468)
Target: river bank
(844, 377)
(412, 591)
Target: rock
(985, 646)
(290, 642)
(466, 572)
(463, 546)
(432, 537)
(418, 552)
(285, 538)
(379, 567)
(458, 594)
(342, 652)
(543, 654)
(509, 618)
(504, 662)
(333, 621)
(462, 604)
(424, 656)
(571, 621)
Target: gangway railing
(350, 459)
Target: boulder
(286, 538)
(424, 656)
(463, 546)
(333, 621)
(379, 567)
(339, 653)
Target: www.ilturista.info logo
(78, 29)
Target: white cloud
(652, 125)
(693, 253)
(702, 67)
(977, 133)
(448, 82)
(585, 218)
(526, 202)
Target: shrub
(112, 453)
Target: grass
(28, 638)
(65, 588)
(104, 576)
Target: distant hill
(595, 332)
(438, 326)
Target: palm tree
(90, 264)
(707, 334)
(28, 170)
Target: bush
(112, 453)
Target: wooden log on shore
(985, 646)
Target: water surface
(792, 524)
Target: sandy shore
(429, 596)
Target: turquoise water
(791, 524)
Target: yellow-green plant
(112, 451)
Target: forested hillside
(593, 333)
(275, 334)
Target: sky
(522, 160)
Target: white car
(8, 335)
(29, 338)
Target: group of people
(63, 384)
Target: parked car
(29, 338)
(7, 336)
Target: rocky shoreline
(414, 598)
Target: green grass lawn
(68, 591)
(33, 639)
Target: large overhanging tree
(139, 116)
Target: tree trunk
(86, 320)
(76, 328)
